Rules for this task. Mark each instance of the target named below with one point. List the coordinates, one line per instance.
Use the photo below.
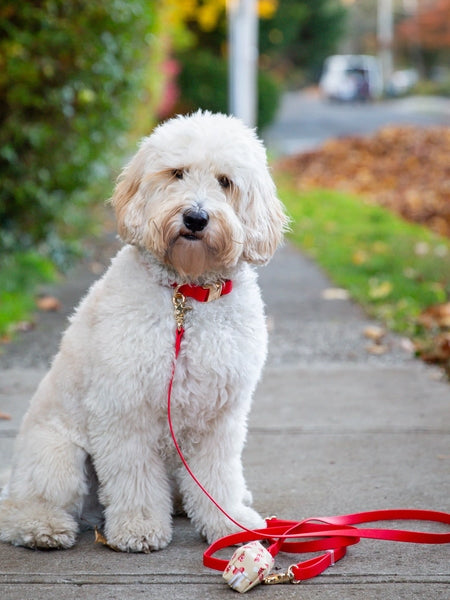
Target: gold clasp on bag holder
(275, 578)
(180, 308)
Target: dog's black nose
(195, 219)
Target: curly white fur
(103, 402)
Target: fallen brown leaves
(48, 304)
(437, 349)
(405, 169)
(436, 317)
(101, 539)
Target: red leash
(200, 294)
(333, 534)
(179, 337)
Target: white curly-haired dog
(195, 205)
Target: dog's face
(199, 197)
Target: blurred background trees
(421, 41)
(423, 37)
(295, 37)
(299, 37)
(77, 76)
(81, 81)
(70, 75)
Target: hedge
(69, 72)
(203, 83)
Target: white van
(348, 77)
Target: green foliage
(203, 84)
(432, 88)
(19, 275)
(269, 93)
(70, 71)
(203, 81)
(278, 34)
(303, 33)
(395, 269)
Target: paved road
(305, 120)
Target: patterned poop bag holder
(248, 566)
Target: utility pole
(243, 58)
(385, 35)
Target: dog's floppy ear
(127, 200)
(264, 219)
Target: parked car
(349, 77)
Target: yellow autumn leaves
(378, 288)
(361, 256)
(208, 12)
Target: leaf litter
(405, 169)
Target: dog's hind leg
(45, 492)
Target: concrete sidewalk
(334, 429)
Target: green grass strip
(20, 274)
(393, 268)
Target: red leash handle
(334, 535)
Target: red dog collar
(205, 293)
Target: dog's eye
(178, 173)
(224, 181)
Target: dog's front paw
(138, 535)
(222, 526)
(36, 525)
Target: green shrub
(432, 88)
(19, 274)
(269, 93)
(69, 73)
(203, 83)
